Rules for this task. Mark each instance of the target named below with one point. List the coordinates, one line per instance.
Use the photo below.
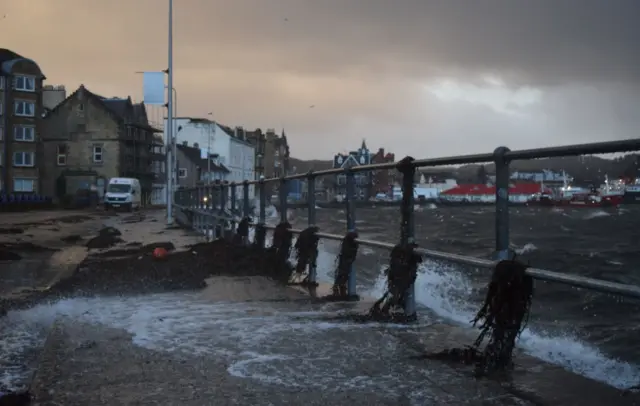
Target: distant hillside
(587, 169)
(302, 166)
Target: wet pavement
(246, 340)
(250, 341)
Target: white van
(123, 193)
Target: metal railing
(207, 208)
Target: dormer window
(24, 83)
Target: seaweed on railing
(242, 231)
(346, 258)
(280, 251)
(260, 235)
(502, 317)
(306, 248)
(401, 274)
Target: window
(1, 109)
(1, 82)
(24, 83)
(62, 155)
(24, 133)
(24, 108)
(182, 172)
(80, 107)
(1, 133)
(24, 185)
(97, 154)
(24, 159)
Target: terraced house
(89, 139)
(20, 123)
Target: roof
(8, 58)
(193, 155)
(482, 190)
(119, 108)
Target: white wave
(596, 214)
(444, 290)
(529, 247)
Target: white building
(229, 145)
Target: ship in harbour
(610, 194)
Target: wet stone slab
(192, 350)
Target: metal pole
(209, 133)
(407, 228)
(351, 225)
(502, 204)
(170, 138)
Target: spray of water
(443, 289)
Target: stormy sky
(418, 77)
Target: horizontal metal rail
(539, 274)
(501, 157)
(534, 153)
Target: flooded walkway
(247, 340)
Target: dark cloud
(367, 65)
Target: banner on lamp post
(153, 88)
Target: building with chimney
(88, 139)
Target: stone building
(20, 124)
(272, 156)
(382, 181)
(88, 139)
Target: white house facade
(241, 161)
(227, 146)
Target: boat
(570, 196)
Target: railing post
(206, 201)
(351, 224)
(263, 201)
(232, 204)
(502, 203)
(246, 211)
(311, 211)
(224, 199)
(407, 225)
(259, 237)
(283, 199)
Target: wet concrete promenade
(251, 341)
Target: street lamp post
(170, 135)
(209, 133)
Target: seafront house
(20, 124)
(193, 168)
(88, 139)
(272, 156)
(228, 146)
(363, 180)
(383, 181)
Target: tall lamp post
(209, 134)
(170, 135)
